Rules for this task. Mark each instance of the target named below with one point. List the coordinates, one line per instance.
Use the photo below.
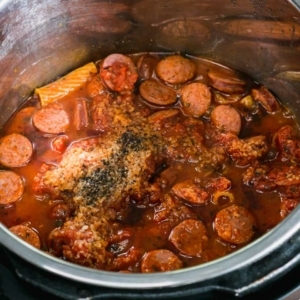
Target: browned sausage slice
(160, 261)
(175, 69)
(146, 66)
(226, 83)
(195, 98)
(156, 93)
(189, 237)
(226, 118)
(15, 150)
(190, 192)
(235, 224)
(27, 234)
(118, 73)
(267, 100)
(162, 115)
(51, 119)
(11, 187)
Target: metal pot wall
(41, 40)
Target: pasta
(61, 87)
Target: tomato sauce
(212, 174)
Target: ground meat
(81, 243)
(288, 205)
(246, 151)
(172, 211)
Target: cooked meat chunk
(11, 187)
(15, 150)
(156, 93)
(160, 261)
(27, 234)
(189, 237)
(226, 118)
(235, 224)
(118, 73)
(196, 98)
(246, 151)
(190, 192)
(266, 99)
(227, 83)
(175, 69)
(172, 211)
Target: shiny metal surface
(41, 40)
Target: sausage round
(156, 93)
(146, 66)
(11, 187)
(118, 73)
(26, 234)
(226, 118)
(15, 150)
(190, 192)
(267, 100)
(175, 69)
(226, 84)
(235, 224)
(160, 261)
(51, 119)
(195, 98)
(162, 115)
(189, 237)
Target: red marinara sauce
(156, 162)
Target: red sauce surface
(138, 225)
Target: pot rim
(249, 254)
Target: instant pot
(44, 39)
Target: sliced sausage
(15, 150)
(156, 93)
(195, 98)
(26, 234)
(162, 115)
(226, 118)
(126, 260)
(235, 224)
(146, 66)
(220, 184)
(175, 69)
(189, 237)
(118, 73)
(190, 192)
(226, 83)
(51, 119)
(160, 261)
(95, 86)
(80, 116)
(266, 99)
(11, 187)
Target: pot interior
(43, 40)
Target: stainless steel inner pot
(41, 40)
